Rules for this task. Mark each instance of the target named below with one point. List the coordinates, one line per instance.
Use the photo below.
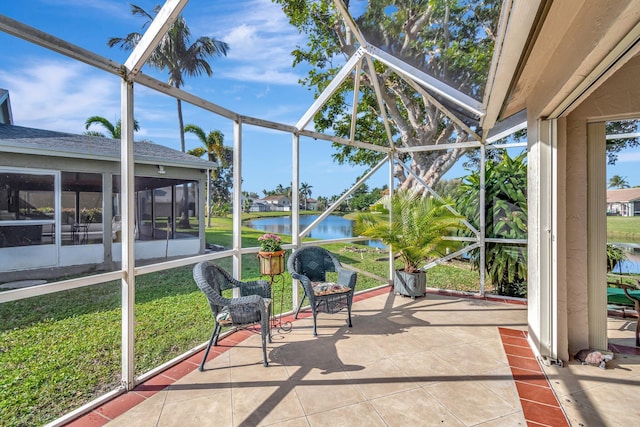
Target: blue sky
(50, 91)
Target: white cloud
(257, 74)
(108, 7)
(260, 40)
(629, 156)
(60, 95)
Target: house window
(164, 208)
(27, 209)
(81, 208)
(186, 202)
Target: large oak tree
(451, 40)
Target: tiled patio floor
(439, 360)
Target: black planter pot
(410, 284)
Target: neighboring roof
(623, 195)
(18, 139)
(275, 198)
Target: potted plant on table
(415, 232)
(271, 254)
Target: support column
(202, 206)
(483, 219)
(237, 203)
(391, 192)
(542, 194)
(295, 210)
(597, 234)
(127, 195)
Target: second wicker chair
(310, 265)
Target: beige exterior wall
(575, 224)
(617, 98)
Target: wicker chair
(253, 305)
(309, 265)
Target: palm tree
(197, 152)
(305, 191)
(213, 142)
(417, 228)
(214, 147)
(179, 57)
(617, 181)
(114, 130)
(175, 53)
(247, 201)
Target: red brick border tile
(539, 404)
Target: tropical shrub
(506, 217)
(614, 255)
(417, 228)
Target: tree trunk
(184, 218)
(208, 198)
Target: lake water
(332, 227)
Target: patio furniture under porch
(439, 360)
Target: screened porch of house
(448, 358)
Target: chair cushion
(328, 288)
(224, 316)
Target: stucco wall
(617, 98)
(575, 225)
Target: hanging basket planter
(271, 263)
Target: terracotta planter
(271, 263)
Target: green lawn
(623, 228)
(62, 350)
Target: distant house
(259, 206)
(60, 201)
(624, 202)
(385, 201)
(277, 203)
(311, 204)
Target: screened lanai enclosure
(407, 92)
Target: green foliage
(415, 229)
(175, 53)
(614, 146)
(447, 187)
(305, 192)
(362, 198)
(451, 40)
(220, 208)
(221, 179)
(91, 215)
(614, 255)
(61, 350)
(506, 217)
(270, 242)
(379, 208)
(197, 152)
(617, 181)
(115, 130)
(213, 143)
(623, 228)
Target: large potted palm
(414, 230)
